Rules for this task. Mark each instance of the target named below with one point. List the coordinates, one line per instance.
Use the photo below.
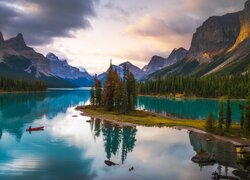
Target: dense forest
(208, 87)
(8, 84)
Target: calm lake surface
(71, 148)
(187, 108)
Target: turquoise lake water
(188, 108)
(72, 148)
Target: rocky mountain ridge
(62, 69)
(21, 49)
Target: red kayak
(35, 129)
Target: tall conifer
(228, 115)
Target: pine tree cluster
(119, 94)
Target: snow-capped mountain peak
(82, 69)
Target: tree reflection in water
(115, 137)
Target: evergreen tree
(221, 116)
(209, 126)
(98, 91)
(125, 102)
(247, 117)
(242, 119)
(228, 115)
(118, 96)
(132, 92)
(108, 94)
(92, 96)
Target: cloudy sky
(91, 32)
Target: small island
(117, 101)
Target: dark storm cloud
(6, 14)
(43, 20)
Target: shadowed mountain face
(222, 35)
(155, 64)
(175, 56)
(216, 35)
(220, 46)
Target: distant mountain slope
(62, 69)
(156, 63)
(136, 71)
(175, 56)
(221, 46)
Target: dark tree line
(208, 87)
(8, 84)
(119, 94)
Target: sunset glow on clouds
(91, 32)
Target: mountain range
(77, 76)
(156, 63)
(17, 60)
(220, 46)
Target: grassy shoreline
(188, 97)
(155, 120)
